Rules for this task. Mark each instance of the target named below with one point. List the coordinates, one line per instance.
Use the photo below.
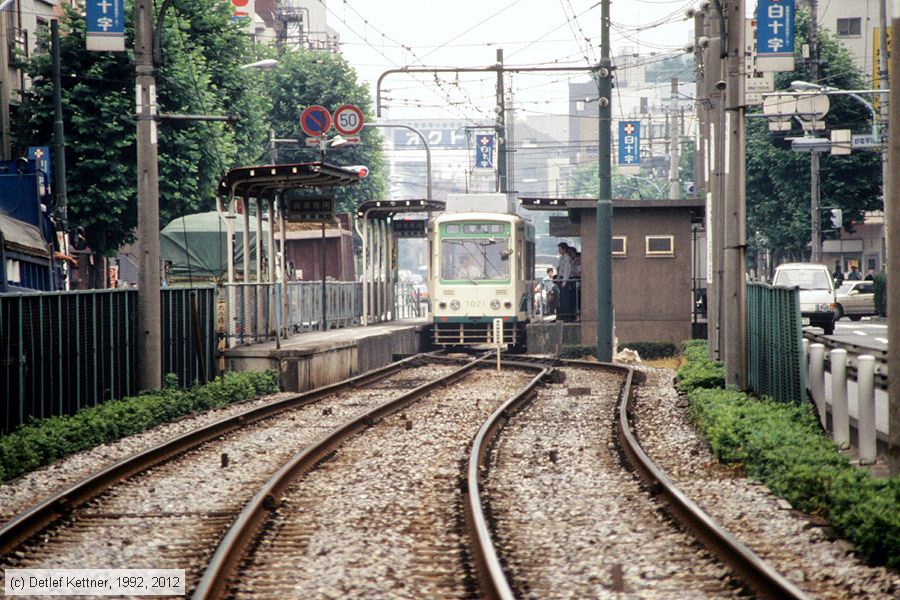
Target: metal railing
(343, 305)
(775, 359)
(563, 302)
(855, 381)
(63, 351)
(410, 301)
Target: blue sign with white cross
(629, 143)
(484, 151)
(775, 35)
(105, 25)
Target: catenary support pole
(892, 215)
(735, 312)
(674, 148)
(149, 342)
(604, 197)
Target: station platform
(309, 360)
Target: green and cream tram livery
(481, 266)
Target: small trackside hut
(482, 258)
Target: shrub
(782, 445)
(651, 350)
(698, 371)
(576, 351)
(43, 441)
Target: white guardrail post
(865, 386)
(840, 416)
(817, 379)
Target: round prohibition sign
(315, 121)
(348, 119)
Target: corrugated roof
(23, 237)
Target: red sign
(315, 121)
(348, 119)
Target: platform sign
(775, 35)
(105, 25)
(410, 228)
(348, 119)
(310, 210)
(484, 151)
(315, 121)
(629, 143)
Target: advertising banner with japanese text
(775, 35)
(105, 25)
(629, 143)
(484, 151)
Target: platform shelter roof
(382, 209)
(264, 180)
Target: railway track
(437, 479)
(373, 508)
(171, 504)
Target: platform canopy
(381, 209)
(265, 180)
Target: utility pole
(883, 101)
(604, 196)
(735, 242)
(815, 217)
(892, 214)
(715, 82)
(149, 305)
(501, 124)
(675, 132)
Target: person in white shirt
(564, 278)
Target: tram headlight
(495, 304)
(454, 304)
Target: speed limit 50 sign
(348, 119)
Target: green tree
(304, 78)
(196, 76)
(586, 184)
(778, 184)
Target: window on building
(849, 27)
(619, 245)
(660, 245)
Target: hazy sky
(378, 35)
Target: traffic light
(837, 218)
(832, 221)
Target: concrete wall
(321, 363)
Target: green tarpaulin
(196, 245)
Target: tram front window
(477, 259)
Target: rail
(231, 550)
(755, 572)
(25, 525)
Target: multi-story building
(292, 24)
(20, 23)
(637, 96)
(856, 24)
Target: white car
(817, 297)
(855, 299)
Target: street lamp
(806, 86)
(264, 64)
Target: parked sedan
(855, 299)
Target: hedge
(44, 441)
(879, 288)
(646, 350)
(782, 445)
